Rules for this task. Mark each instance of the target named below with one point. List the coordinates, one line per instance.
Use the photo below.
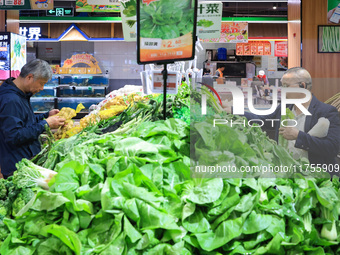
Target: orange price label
(149, 1)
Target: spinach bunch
(166, 19)
(129, 8)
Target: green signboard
(60, 12)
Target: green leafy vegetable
(205, 23)
(31, 175)
(131, 191)
(166, 19)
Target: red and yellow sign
(281, 49)
(253, 48)
(232, 32)
(67, 68)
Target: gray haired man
(19, 126)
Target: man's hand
(289, 133)
(55, 122)
(226, 106)
(53, 112)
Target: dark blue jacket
(19, 127)
(320, 150)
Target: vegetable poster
(129, 19)
(166, 30)
(333, 11)
(329, 39)
(232, 32)
(209, 16)
(97, 6)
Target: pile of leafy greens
(12, 199)
(130, 191)
(133, 194)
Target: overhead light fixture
(274, 6)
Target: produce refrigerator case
(71, 90)
(12, 54)
(43, 104)
(73, 102)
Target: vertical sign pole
(165, 78)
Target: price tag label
(15, 2)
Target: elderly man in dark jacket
(321, 150)
(19, 126)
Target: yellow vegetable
(68, 114)
(73, 131)
(118, 100)
(88, 120)
(114, 110)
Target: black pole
(165, 78)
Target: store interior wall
(323, 67)
(49, 51)
(119, 59)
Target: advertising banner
(12, 54)
(18, 54)
(26, 4)
(333, 11)
(166, 30)
(232, 32)
(4, 55)
(209, 17)
(129, 20)
(281, 49)
(97, 6)
(253, 48)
